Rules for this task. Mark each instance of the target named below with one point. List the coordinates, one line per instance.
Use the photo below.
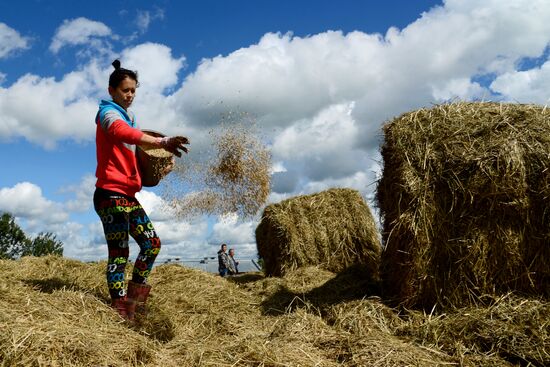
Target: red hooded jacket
(116, 139)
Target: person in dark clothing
(223, 261)
(233, 264)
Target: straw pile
(463, 199)
(516, 329)
(53, 312)
(333, 228)
(232, 177)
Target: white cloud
(11, 41)
(528, 86)
(179, 237)
(83, 192)
(360, 181)
(25, 200)
(145, 17)
(79, 31)
(229, 230)
(285, 181)
(284, 78)
(83, 242)
(35, 213)
(331, 130)
(237, 235)
(44, 110)
(459, 88)
(154, 205)
(70, 233)
(157, 69)
(297, 87)
(158, 74)
(321, 147)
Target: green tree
(12, 237)
(43, 244)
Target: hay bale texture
(464, 199)
(332, 229)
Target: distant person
(118, 181)
(223, 261)
(233, 264)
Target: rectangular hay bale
(464, 200)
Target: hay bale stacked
(333, 229)
(464, 200)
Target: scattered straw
(233, 176)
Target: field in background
(210, 264)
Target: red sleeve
(120, 130)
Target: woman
(118, 180)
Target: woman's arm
(121, 131)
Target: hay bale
(463, 198)
(333, 229)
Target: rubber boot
(126, 308)
(139, 293)
(130, 309)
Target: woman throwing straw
(118, 180)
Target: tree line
(14, 243)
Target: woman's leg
(113, 211)
(142, 230)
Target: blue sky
(321, 77)
(198, 29)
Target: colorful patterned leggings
(122, 215)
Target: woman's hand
(174, 144)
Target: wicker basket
(152, 161)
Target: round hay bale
(332, 229)
(463, 199)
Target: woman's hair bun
(116, 64)
(119, 74)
